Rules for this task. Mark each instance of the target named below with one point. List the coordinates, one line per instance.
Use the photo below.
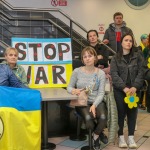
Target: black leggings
(148, 97)
(96, 124)
(123, 111)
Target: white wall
(91, 13)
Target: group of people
(128, 70)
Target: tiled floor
(142, 137)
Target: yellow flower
(148, 65)
(131, 100)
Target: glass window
(137, 4)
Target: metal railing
(32, 9)
(79, 39)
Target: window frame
(137, 7)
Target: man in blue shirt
(8, 78)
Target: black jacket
(102, 50)
(119, 70)
(8, 78)
(146, 68)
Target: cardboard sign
(47, 62)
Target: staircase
(39, 23)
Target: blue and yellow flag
(20, 119)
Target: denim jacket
(8, 78)
(19, 72)
(120, 68)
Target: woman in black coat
(127, 77)
(102, 51)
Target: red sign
(58, 3)
(62, 3)
(101, 29)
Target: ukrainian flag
(20, 119)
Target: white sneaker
(122, 142)
(131, 142)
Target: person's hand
(107, 70)
(100, 57)
(101, 66)
(105, 41)
(76, 91)
(126, 90)
(93, 110)
(132, 91)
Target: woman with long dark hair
(127, 77)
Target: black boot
(103, 138)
